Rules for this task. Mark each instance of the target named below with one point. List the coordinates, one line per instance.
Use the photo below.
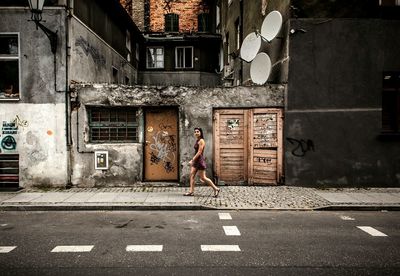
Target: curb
(360, 208)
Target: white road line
(225, 216)
(372, 231)
(7, 249)
(228, 248)
(144, 248)
(3, 225)
(231, 231)
(346, 218)
(72, 248)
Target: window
(389, 2)
(184, 57)
(391, 102)
(155, 57)
(115, 75)
(9, 66)
(203, 22)
(128, 45)
(171, 22)
(237, 33)
(113, 125)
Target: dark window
(203, 22)
(115, 75)
(171, 22)
(9, 66)
(184, 57)
(391, 102)
(113, 125)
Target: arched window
(171, 22)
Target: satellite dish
(271, 25)
(260, 68)
(250, 47)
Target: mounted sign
(101, 160)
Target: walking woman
(198, 164)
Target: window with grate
(203, 22)
(115, 125)
(391, 102)
(9, 66)
(171, 22)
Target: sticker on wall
(9, 128)
(101, 160)
(233, 123)
(150, 129)
(49, 132)
(8, 143)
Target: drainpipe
(67, 95)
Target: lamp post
(36, 7)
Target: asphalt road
(270, 243)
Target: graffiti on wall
(163, 150)
(8, 130)
(301, 147)
(90, 50)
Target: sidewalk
(231, 198)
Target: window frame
(18, 58)
(390, 125)
(147, 57)
(113, 125)
(169, 28)
(184, 57)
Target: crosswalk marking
(231, 231)
(144, 248)
(346, 218)
(372, 231)
(7, 249)
(220, 248)
(224, 216)
(72, 248)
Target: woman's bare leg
(193, 172)
(202, 175)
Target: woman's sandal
(216, 193)
(189, 194)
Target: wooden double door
(248, 146)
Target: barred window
(113, 125)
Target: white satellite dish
(250, 47)
(271, 25)
(260, 68)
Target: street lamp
(36, 7)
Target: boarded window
(9, 66)
(113, 125)
(171, 22)
(203, 22)
(184, 57)
(391, 102)
(155, 57)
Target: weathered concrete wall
(39, 135)
(189, 78)
(333, 112)
(92, 60)
(195, 105)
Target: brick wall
(186, 9)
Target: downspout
(67, 96)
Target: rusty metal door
(161, 144)
(248, 146)
(265, 152)
(230, 140)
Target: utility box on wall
(101, 160)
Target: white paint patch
(372, 231)
(346, 218)
(73, 248)
(229, 248)
(7, 249)
(225, 216)
(3, 225)
(144, 248)
(231, 231)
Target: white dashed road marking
(229, 248)
(372, 231)
(73, 248)
(225, 216)
(3, 225)
(7, 249)
(231, 231)
(144, 248)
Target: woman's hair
(201, 132)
